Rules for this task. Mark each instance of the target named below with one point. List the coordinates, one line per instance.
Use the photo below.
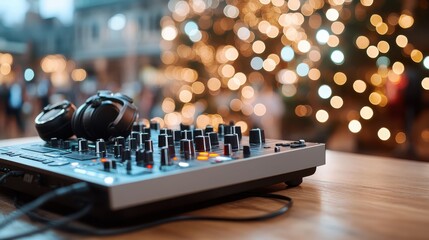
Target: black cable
(10, 174)
(87, 230)
(52, 224)
(74, 188)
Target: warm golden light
(322, 116)
(406, 21)
(340, 78)
(366, 113)
(398, 68)
(260, 109)
(336, 102)
(401, 41)
(355, 126)
(362, 42)
(384, 134)
(375, 98)
(383, 46)
(168, 105)
(213, 84)
(425, 83)
(400, 138)
(258, 47)
(359, 86)
(416, 56)
(314, 74)
(366, 3)
(78, 74)
(376, 20)
(372, 51)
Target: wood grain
(351, 197)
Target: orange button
(202, 158)
(204, 154)
(213, 155)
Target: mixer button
(83, 145)
(208, 129)
(246, 151)
(256, 136)
(148, 145)
(214, 140)
(233, 140)
(120, 141)
(162, 140)
(227, 149)
(237, 130)
(200, 143)
(154, 125)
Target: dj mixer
(155, 169)
(133, 170)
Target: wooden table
(351, 197)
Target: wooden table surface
(351, 197)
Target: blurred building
(115, 38)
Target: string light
(249, 44)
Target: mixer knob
(214, 140)
(233, 140)
(184, 127)
(146, 130)
(148, 159)
(126, 155)
(246, 151)
(136, 127)
(140, 154)
(237, 130)
(148, 145)
(200, 144)
(82, 145)
(165, 157)
(100, 148)
(143, 137)
(221, 129)
(162, 140)
(228, 129)
(106, 166)
(198, 132)
(256, 136)
(177, 135)
(208, 129)
(132, 143)
(54, 142)
(172, 151)
(66, 144)
(187, 134)
(136, 135)
(117, 150)
(227, 149)
(154, 125)
(187, 148)
(129, 166)
(120, 141)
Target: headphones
(104, 115)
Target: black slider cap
(246, 151)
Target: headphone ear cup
(124, 122)
(55, 121)
(76, 121)
(97, 120)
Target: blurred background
(352, 74)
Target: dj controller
(155, 170)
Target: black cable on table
(87, 230)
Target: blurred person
(14, 103)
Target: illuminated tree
(331, 61)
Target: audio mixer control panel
(155, 164)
